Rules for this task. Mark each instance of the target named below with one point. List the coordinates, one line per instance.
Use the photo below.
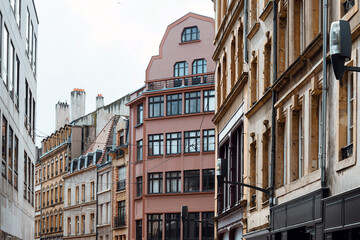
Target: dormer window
(190, 34)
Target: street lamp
(340, 48)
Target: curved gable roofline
(180, 20)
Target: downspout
(246, 30)
(324, 97)
(273, 110)
(97, 208)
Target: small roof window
(190, 34)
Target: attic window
(190, 34)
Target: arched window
(180, 69)
(198, 67)
(190, 34)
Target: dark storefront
(342, 216)
(297, 219)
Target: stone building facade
(18, 105)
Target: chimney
(62, 114)
(99, 101)
(78, 96)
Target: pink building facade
(172, 137)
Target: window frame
(170, 139)
(139, 186)
(151, 220)
(155, 179)
(154, 144)
(192, 180)
(208, 95)
(169, 181)
(207, 136)
(192, 98)
(139, 150)
(156, 103)
(174, 101)
(140, 114)
(187, 140)
(187, 36)
(208, 179)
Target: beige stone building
(120, 179)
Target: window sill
(194, 41)
(155, 156)
(208, 152)
(173, 155)
(138, 125)
(345, 163)
(253, 30)
(192, 153)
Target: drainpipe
(246, 30)
(273, 111)
(97, 208)
(324, 97)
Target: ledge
(265, 13)
(253, 30)
(346, 163)
(194, 41)
(261, 102)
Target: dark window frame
(192, 181)
(153, 219)
(190, 34)
(172, 220)
(138, 224)
(153, 180)
(139, 150)
(192, 100)
(208, 96)
(191, 227)
(207, 225)
(156, 104)
(170, 184)
(208, 140)
(140, 114)
(156, 142)
(170, 139)
(188, 141)
(199, 66)
(139, 186)
(208, 179)
(174, 104)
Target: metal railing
(174, 82)
(119, 221)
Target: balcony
(119, 221)
(177, 82)
(120, 185)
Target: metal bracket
(266, 191)
(353, 69)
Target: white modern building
(18, 49)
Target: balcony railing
(121, 185)
(119, 221)
(175, 82)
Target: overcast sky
(102, 46)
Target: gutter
(273, 110)
(97, 203)
(246, 30)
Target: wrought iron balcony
(183, 81)
(120, 185)
(119, 221)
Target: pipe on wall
(273, 110)
(246, 15)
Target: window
(16, 162)
(191, 227)
(180, 69)
(253, 170)
(140, 114)
(172, 226)
(83, 193)
(69, 196)
(156, 106)
(77, 226)
(121, 185)
(11, 80)
(83, 224)
(17, 85)
(139, 151)
(315, 131)
(27, 31)
(192, 102)
(138, 224)
(297, 142)
(209, 140)
(207, 225)
(199, 66)
(121, 138)
(173, 143)
(190, 34)
(4, 147)
(6, 56)
(121, 214)
(173, 182)
(173, 104)
(209, 101)
(69, 226)
(191, 181)
(267, 65)
(208, 180)
(139, 188)
(92, 222)
(155, 144)
(77, 196)
(254, 96)
(154, 227)
(155, 183)
(192, 141)
(266, 162)
(92, 189)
